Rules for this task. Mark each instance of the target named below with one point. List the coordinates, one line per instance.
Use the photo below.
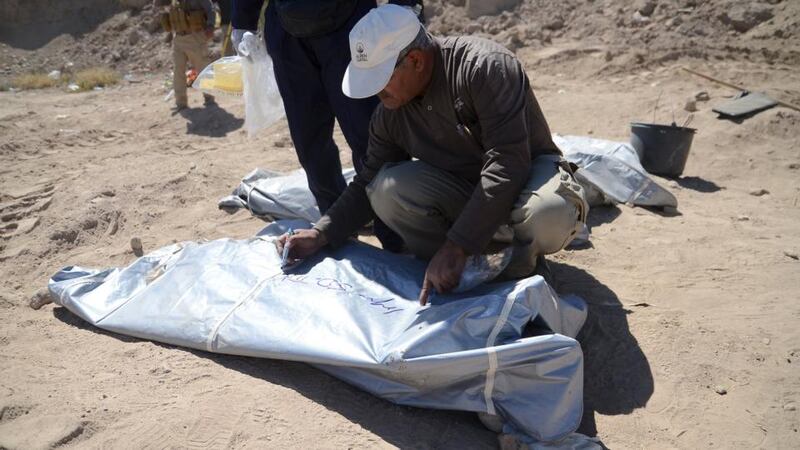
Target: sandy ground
(691, 341)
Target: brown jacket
(478, 119)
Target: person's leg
(179, 71)
(307, 110)
(332, 51)
(419, 202)
(353, 115)
(197, 52)
(547, 215)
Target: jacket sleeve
(352, 209)
(244, 14)
(498, 88)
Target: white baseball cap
(375, 43)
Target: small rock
(89, 224)
(794, 256)
(743, 18)
(789, 407)
(54, 75)
(134, 37)
(113, 226)
(759, 192)
(794, 166)
(742, 218)
(690, 106)
(554, 24)
(66, 236)
(491, 422)
(702, 96)
(283, 142)
(40, 298)
(473, 28)
(136, 246)
(477, 8)
(674, 22)
(108, 193)
(765, 341)
(638, 18)
(720, 390)
(645, 7)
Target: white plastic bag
(223, 76)
(262, 100)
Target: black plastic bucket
(662, 149)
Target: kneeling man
(460, 160)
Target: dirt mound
(48, 35)
(638, 33)
(114, 34)
(32, 24)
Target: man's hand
(302, 244)
(444, 270)
(209, 33)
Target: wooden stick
(739, 88)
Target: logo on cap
(361, 53)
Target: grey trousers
(421, 202)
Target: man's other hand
(209, 33)
(302, 244)
(444, 270)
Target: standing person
(485, 174)
(308, 43)
(192, 25)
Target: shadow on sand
(601, 215)
(698, 184)
(400, 426)
(210, 120)
(617, 375)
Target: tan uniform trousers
(187, 47)
(421, 202)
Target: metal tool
(285, 254)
